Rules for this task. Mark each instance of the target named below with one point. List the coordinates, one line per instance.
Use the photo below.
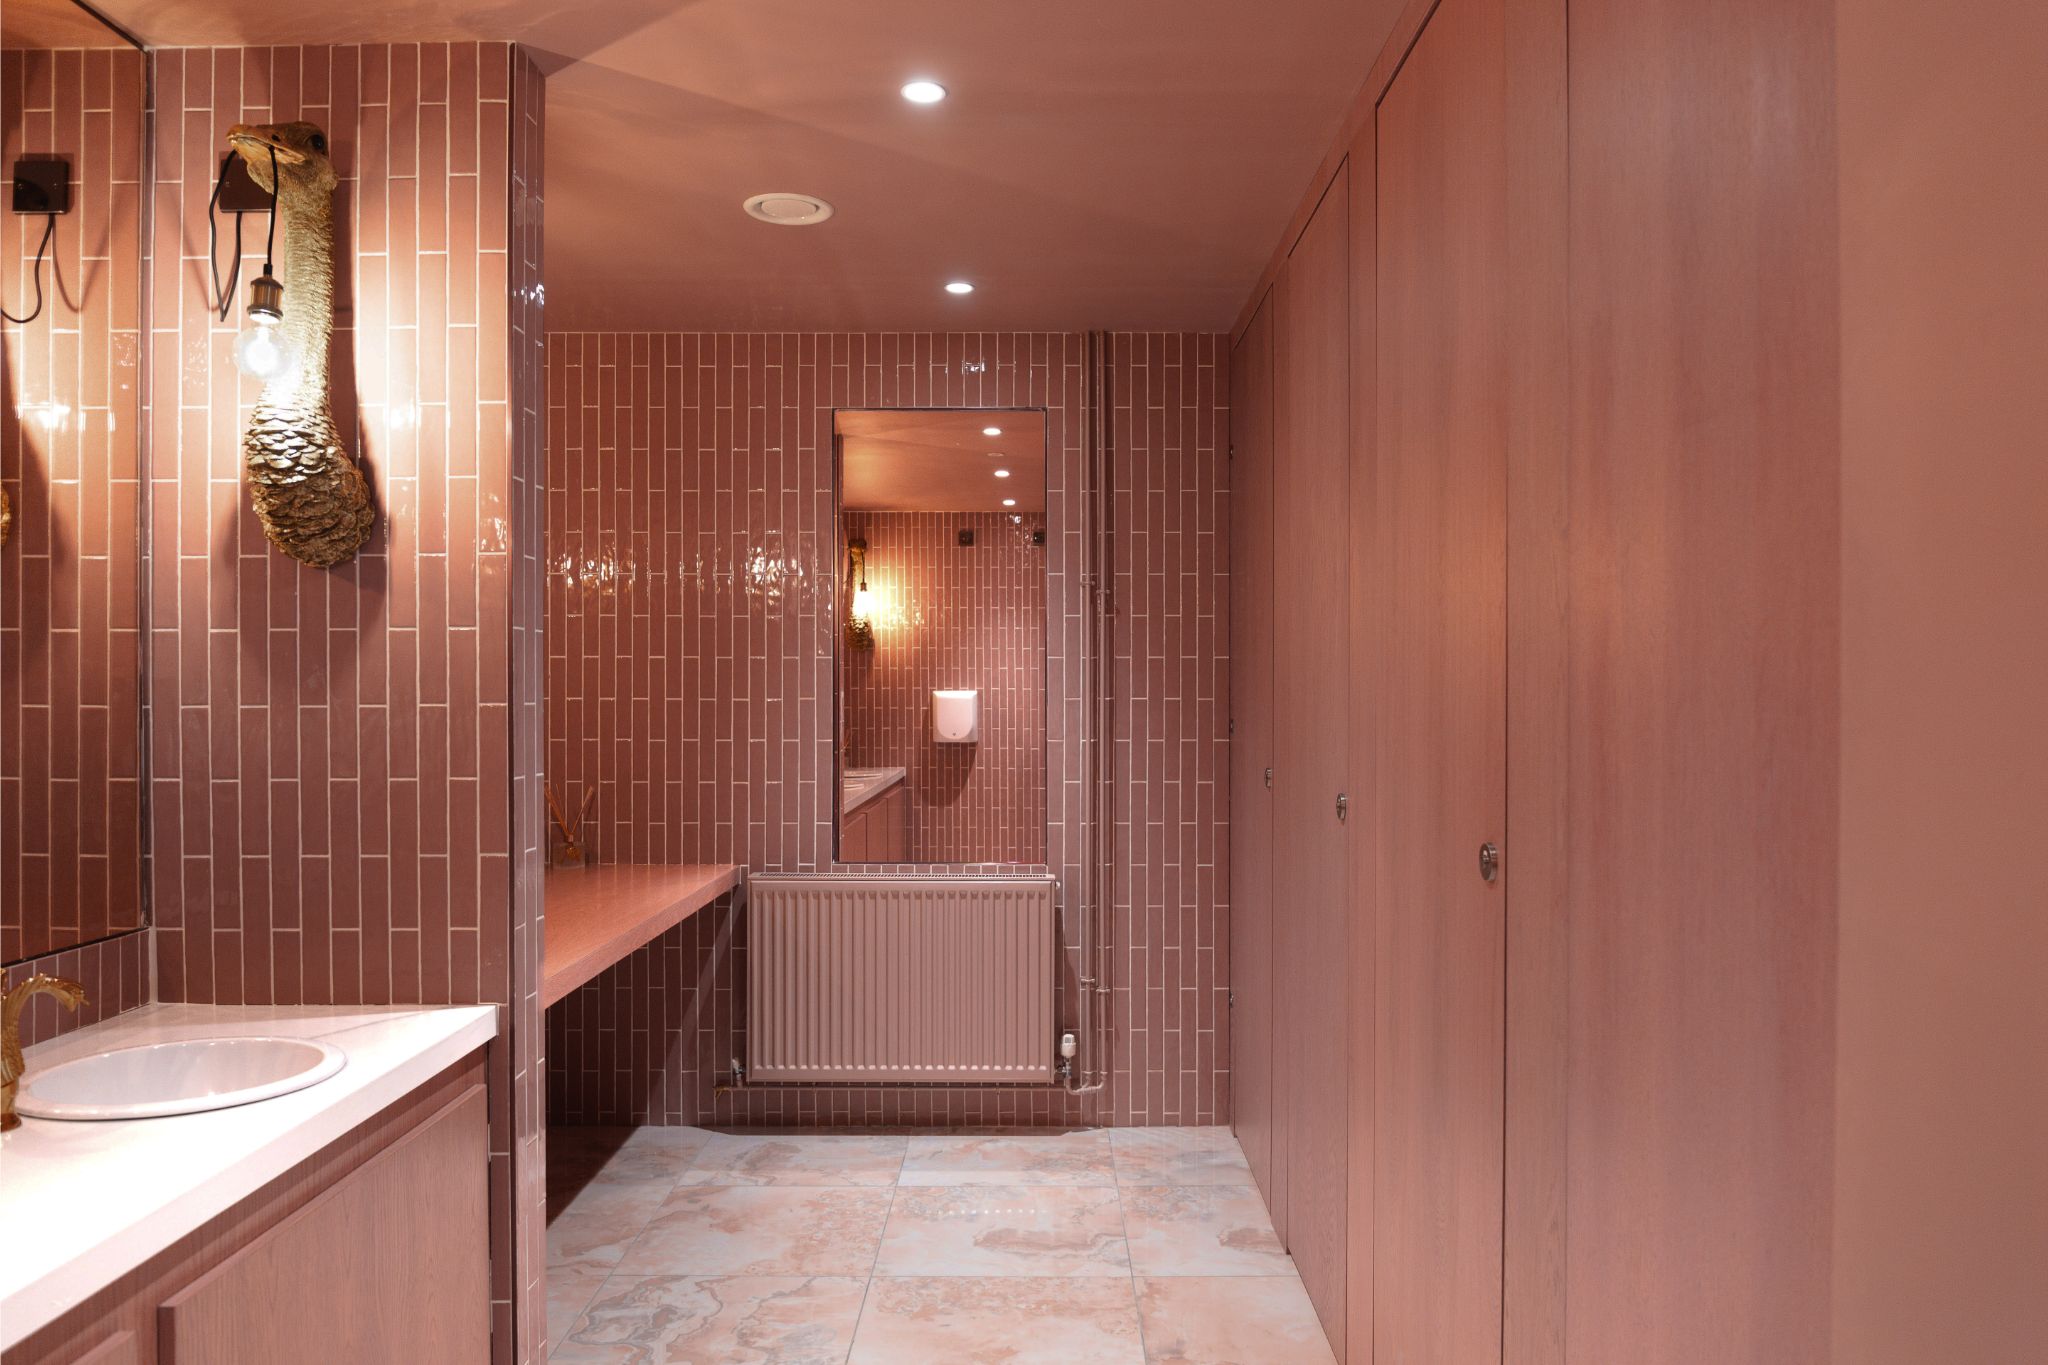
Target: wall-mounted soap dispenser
(956, 717)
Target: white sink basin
(160, 1079)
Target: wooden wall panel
(1941, 1164)
(1252, 1058)
(1442, 408)
(1363, 699)
(1539, 433)
(1704, 587)
(1311, 632)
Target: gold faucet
(12, 1063)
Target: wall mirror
(942, 613)
(72, 125)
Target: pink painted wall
(1941, 1189)
(694, 559)
(70, 573)
(343, 761)
(951, 616)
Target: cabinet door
(889, 829)
(1311, 625)
(393, 1263)
(853, 836)
(1252, 1055)
(1441, 395)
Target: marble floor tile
(1201, 1230)
(1004, 1230)
(578, 1156)
(1178, 1156)
(1014, 1320)
(747, 1230)
(796, 1159)
(1055, 1159)
(732, 1320)
(570, 1290)
(1242, 1320)
(595, 1226)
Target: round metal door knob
(1489, 862)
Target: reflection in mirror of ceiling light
(1002, 473)
(924, 92)
(991, 431)
(1009, 502)
(959, 287)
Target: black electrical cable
(49, 231)
(223, 299)
(270, 241)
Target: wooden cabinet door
(1311, 625)
(1442, 403)
(853, 836)
(889, 827)
(1252, 1054)
(393, 1264)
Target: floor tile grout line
(1137, 1308)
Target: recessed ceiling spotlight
(1002, 473)
(991, 431)
(924, 92)
(1009, 502)
(788, 210)
(959, 287)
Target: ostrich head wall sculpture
(308, 493)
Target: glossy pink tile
(692, 561)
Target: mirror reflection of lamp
(860, 625)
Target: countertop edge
(62, 1287)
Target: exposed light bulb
(863, 601)
(261, 351)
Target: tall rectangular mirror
(942, 620)
(72, 132)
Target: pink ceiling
(918, 461)
(1101, 163)
(53, 23)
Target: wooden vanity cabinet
(375, 1249)
(879, 831)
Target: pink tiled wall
(114, 972)
(693, 565)
(952, 616)
(70, 574)
(337, 756)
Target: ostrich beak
(254, 141)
